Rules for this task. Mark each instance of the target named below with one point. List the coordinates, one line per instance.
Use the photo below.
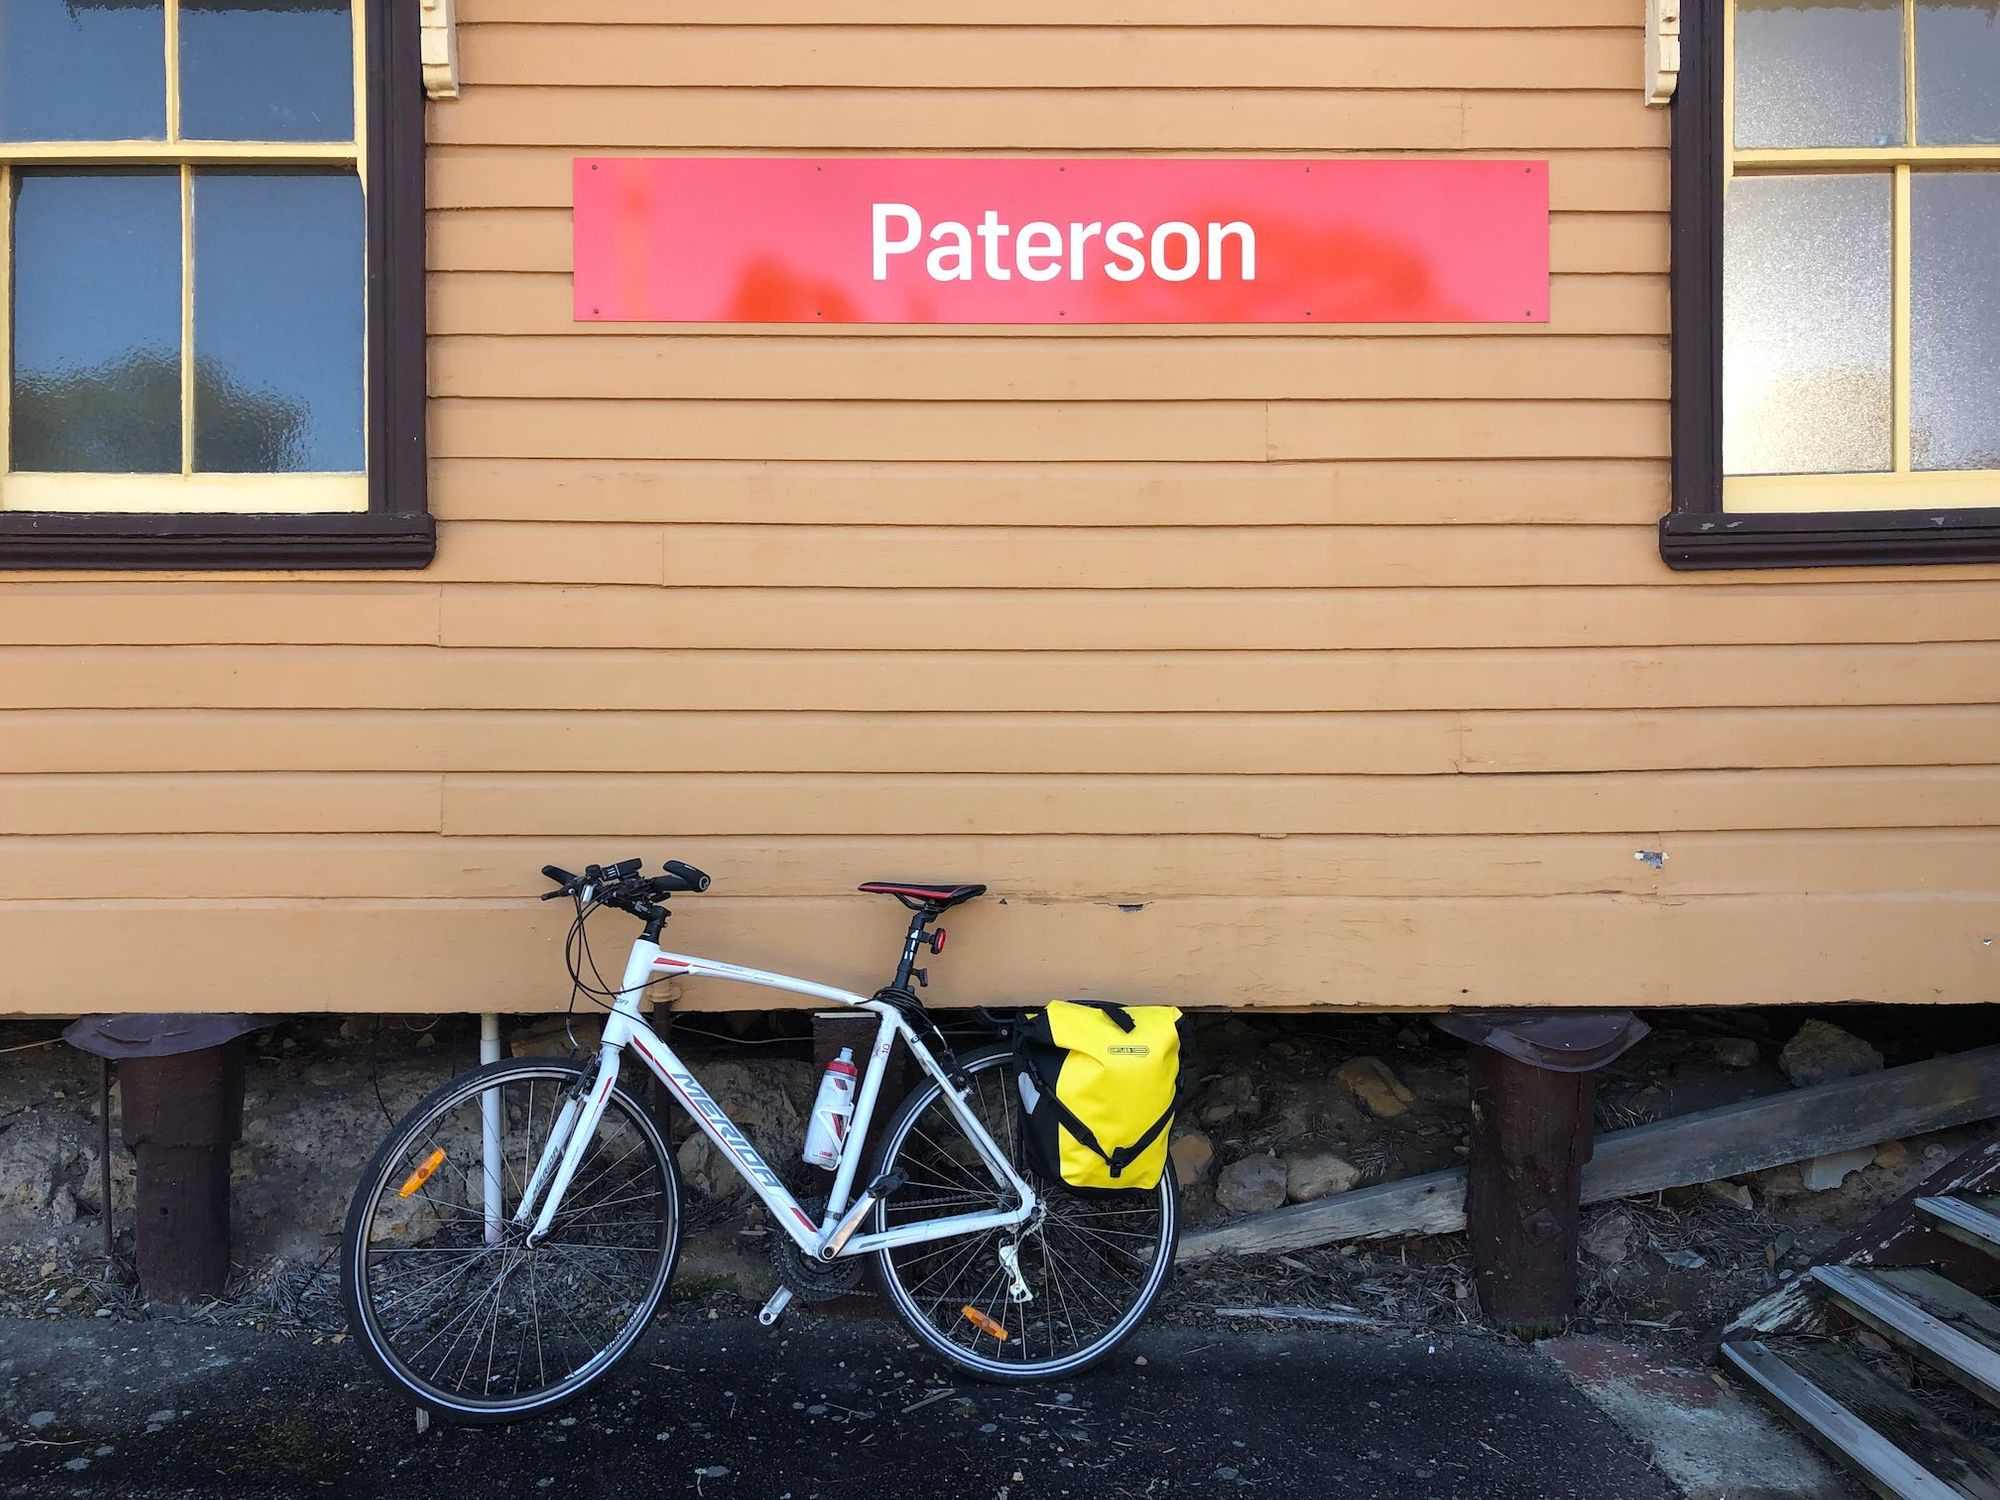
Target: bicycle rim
(465, 1315)
(1094, 1262)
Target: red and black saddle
(917, 895)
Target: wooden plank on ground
(1701, 1147)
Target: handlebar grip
(563, 879)
(693, 879)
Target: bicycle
(511, 1240)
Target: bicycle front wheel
(1092, 1263)
(446, 1296)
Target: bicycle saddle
(919, 894)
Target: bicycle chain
(813, 1280)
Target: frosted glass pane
(1958, 72)
(75, 71)
(278, 323)
(1955, 321)
(1819, 73)
(267, 70)
(97, 322)
(1805, 325)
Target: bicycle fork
(576, 1124)
(575, 1127)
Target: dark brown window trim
(396, 530)
(1697, 533)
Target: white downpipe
(489, 1119)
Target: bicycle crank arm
(850, 1221)
(775, 1308)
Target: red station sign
(1060, 240)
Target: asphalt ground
(720, 1408)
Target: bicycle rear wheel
(468, 1318)
(1094, 1263)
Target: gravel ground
(717, 1407)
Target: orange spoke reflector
(983, 1323)
(423, 1174)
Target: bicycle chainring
(813, 1280)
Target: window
(1837, 283)
(212, 253)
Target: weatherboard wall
(1250, 666)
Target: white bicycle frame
(835, 1236)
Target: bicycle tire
(392, 1158)
(993, 1064)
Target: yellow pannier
(1097, 1084)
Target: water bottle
(831, 1112)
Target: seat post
(912, 940)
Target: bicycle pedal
(887, 1185)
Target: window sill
(1884, 493)
(180, 542)
(1698, 541)
(188, 494)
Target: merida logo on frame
(738, 1143)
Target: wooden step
(1900, 1448)
(1939, 1321)
(1968, 1222)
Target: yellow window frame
(187, 491)
(1901, 487)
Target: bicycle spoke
(535, 1305)
(510, 1325)
(962, 1261)
(578, 1189)
(1091, 1263)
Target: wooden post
(1532, 1082)
(181, 1115)
(1531, 1135)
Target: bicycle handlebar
(691, 878)
(621, 882)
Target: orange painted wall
(1250, 666)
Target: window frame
(396, 530)
(1697, 533)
